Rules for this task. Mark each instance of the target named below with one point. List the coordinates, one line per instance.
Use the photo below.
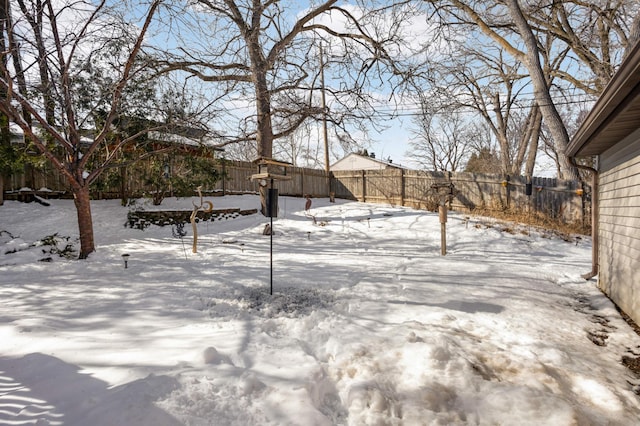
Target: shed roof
(615, 115)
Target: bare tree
(484, 81)
(634, 33)
(593, 35)
(443, 139)
(12, 158)
(529, 57)
(567, 48)
(57, 37)
(297, 146)
(268, 57)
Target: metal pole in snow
(271, 243)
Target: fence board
(554, 198)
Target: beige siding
(619, 232)
(358, 162)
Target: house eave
(616, 113)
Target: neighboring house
(169, 141)
(362, 162)
(611, 132)
(187, 139)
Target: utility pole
(324, 121)
(324, 113)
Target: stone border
(142, 219)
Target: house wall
(619, 224)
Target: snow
(368, 323)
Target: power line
(412, 111)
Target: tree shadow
(42, 389)
(457, 305)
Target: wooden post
(364, 186)
(442, 212)
(332, 187)
(402, 188)
(224, 177)
(302, 192)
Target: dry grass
(510, 219)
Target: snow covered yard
(368, 324)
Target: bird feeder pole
(442, 212)
(268, 171)
(446, 193)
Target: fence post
(545, 197)
(402, 187)
(332, 185)
(506, 184)
(364, 186)
(224, 177)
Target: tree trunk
(533, 143)
(46, 27)
(35, 19)
(1, 189)
(264, 135)
(82, 201)
(505, 160)
(523, 142)
(124, 196)
(541, 91)
(634, 35)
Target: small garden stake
(179, 232)
(196, 208)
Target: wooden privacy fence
(557, 199)
(554, 198)
(235, 179)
